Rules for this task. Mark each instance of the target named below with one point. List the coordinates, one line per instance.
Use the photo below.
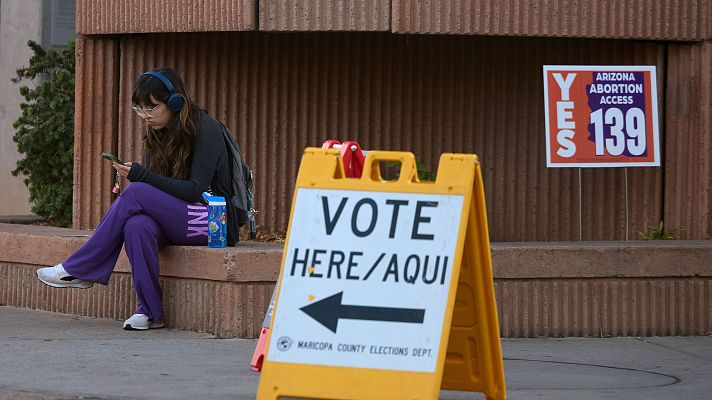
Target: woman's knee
(141, 225)
(139, 190)
(142, 194)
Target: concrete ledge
(629, 259)
(633, 288)
(220, 291)
(656, 288)
(19, 219)
(248, 262)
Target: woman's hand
(123, 169)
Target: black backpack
(241, 197)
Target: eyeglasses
(146, 112)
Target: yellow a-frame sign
(386, 289)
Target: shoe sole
(82, 285)
(128, 327)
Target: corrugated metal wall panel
(634, 19)
(324, 15)
(138, 16)
(428, 94)
(688, 142)
(604, 307)
(95, 126)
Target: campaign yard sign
(601, 116)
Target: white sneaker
(140, 322)
(58, 277)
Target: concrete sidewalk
(47, 356)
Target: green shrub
(658, 233)
(45, 132)
(392, 171)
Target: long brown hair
(171, 146)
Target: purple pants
(143, 219)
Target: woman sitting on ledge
(185, 156)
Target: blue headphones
(175, 100)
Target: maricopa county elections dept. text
(411, 268)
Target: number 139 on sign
(601, 116)
(627, 132)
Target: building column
(95, 127)
(688, 140)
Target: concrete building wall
(279, 93)
(467, 89)
(141, 16)
(684, 20)
(50, 23)
(660, 288)
(20, 21)
(622, 19)
(688, 149)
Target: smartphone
(112, 158)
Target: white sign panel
(366, 279)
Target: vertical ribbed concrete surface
(604, 307)
(325, 15)
(139, 16)
(95, 127)
(526, 308)
(225, 309)
(633, 19)
(688, 141)
(279, 93)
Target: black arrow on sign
(328, 311)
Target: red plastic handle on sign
(329, 144)
(352, 157)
